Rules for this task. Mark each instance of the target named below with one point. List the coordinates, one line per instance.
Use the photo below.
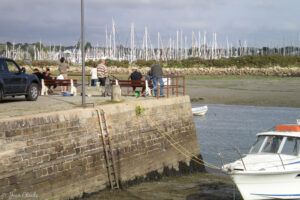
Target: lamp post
(82, 52)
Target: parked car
(15, 82)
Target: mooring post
(183, 85)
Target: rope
(186, 153)
(201, 160)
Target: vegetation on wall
(244, 61)
(139, 110)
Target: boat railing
(281, 161)
(241, 158)
(174, 85)
(239, 152)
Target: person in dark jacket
(156, 74)
(37, 72)
(135, 76)
(47, 75)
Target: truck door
(14, 79)
(3, 74)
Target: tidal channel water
(225, 127)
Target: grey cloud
(59, 20)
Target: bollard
(116, 93)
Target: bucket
(137, 94)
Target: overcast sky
(260, 22)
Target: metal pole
(82, 52)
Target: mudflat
(244, 90)
(195, 186)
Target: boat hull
(253, 186)
(199, 111)
(198, 114)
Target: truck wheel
(33, 92)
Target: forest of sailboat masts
(178, 47)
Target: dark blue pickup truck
(15, 82)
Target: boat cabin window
(266, 144)
(291, 146)
(256, 146)
(272, 144)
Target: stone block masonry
(60, 155)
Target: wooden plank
(130, 83)
(59, 82)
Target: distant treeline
(30, 47)
(239, 62)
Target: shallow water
(225, 127)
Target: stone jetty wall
(60, 155)
(271, 71)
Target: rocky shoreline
(270, 71)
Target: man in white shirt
(94, 75)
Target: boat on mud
(271, 169)
(199, 111)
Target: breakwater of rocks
(270, 71)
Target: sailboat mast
(132, 43)
(177, 45)
(146, 43)
(114, 39)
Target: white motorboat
(271, 169)
(200, 111)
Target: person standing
(156, 74)
(63, 68)
(102, 72)
(94, 75)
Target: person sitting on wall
(37, 72)
(47, 75)
(136, 76)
